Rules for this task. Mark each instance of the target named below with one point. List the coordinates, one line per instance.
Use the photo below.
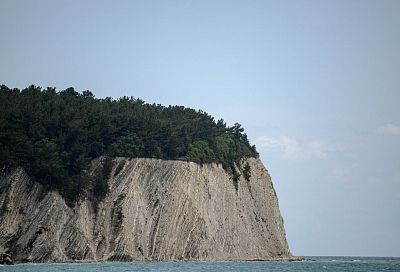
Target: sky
(316, 84)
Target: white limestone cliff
(155, 210)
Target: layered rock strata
(155, 210)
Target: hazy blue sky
(316, 84)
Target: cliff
(154, 210)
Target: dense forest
(55, 135)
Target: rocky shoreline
(5, 259)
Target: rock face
(155, 210)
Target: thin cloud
(319, 149)
(389, 129)
(290, 148)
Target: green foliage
(247, 171)
(55, 135)
(101, 179)
(200, 152)
(235, 176)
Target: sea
(320, 264)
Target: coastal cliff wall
(154, 210)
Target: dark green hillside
(54, 135)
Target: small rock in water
(6, 259)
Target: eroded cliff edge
(155, 210)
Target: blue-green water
(320, 264)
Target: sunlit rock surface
(155, 210)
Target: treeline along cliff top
(55, 135)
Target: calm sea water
(320, 264)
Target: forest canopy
(55, 135)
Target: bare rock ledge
(155, 210)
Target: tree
(55, 135)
